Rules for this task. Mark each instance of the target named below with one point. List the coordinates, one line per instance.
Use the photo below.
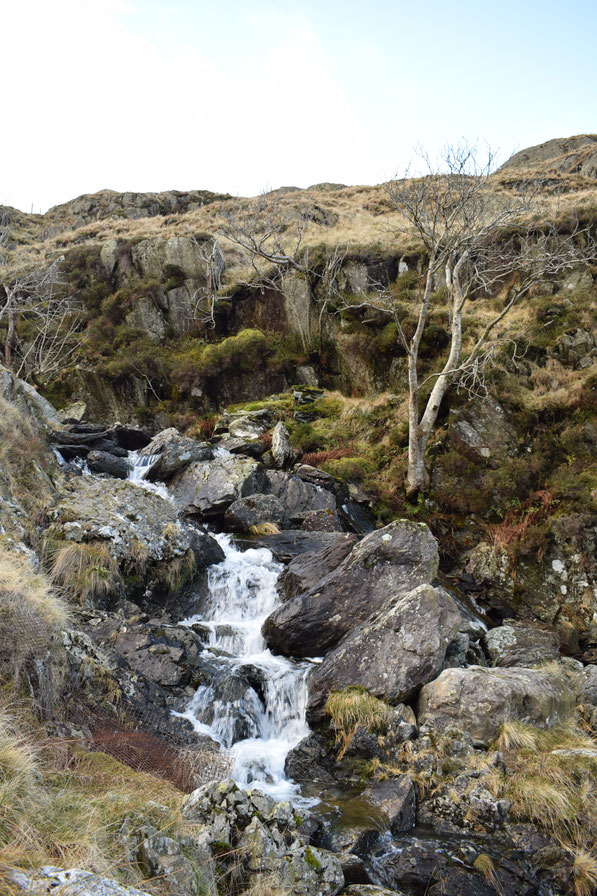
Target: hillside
(213, 566)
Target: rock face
(207, 488)
(175, 451)
(479, 700)
(384, 565)
(560, 155)
(394, 653)
(481, 430)
(520, 645)
(264, 834)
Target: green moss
(311, 860)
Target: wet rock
(207, 488)
(321, 521)
(297, 496)
(397, 799)
(399, 649)
(251, 511)
(103, 462)
(176, 452)
(515, 644)
(130, 437)
(291, 543)
(385, 564)
(309, 761)
(478, 700)
(282, 451)
(312, 567)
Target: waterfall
(266, 719)
(140, 466)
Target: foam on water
(242, 593)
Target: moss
(311, 861)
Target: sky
(241, 97)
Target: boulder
(207, 488)
(386, 564)
(397, 799)
(297, 496)
(103, 462)
(245, 428)
(312, 567)
(251, 511)
(515, 644)
(176, 452)
(392, 654)
(74, 413)
(282, 451)
(479, 700)
(141, 529)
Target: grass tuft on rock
(87, 571)
(354, 708)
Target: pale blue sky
(239, 97)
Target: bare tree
(271, 233)
(42, 322)
(477, 242)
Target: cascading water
(139, 467)
(255, 706)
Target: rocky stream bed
(243, 590)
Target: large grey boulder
(207, 488)
(515, 644)
(479, 700)
(392, 654)
(312, 567)
(386, 564)
(587, 685)
(175, 451)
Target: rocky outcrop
(482, 431)
(264, 835)
(141, 530)
(392, 654)
(384, 565)
(478, 700)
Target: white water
(140, 466)
(257, 731)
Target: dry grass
(355, 708)
(24, 461)
(31, 613)
(585, 872)
(264, 529)
(86, 571)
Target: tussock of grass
(554, 785)
(88, 571)
(354, 708)
(177, 572)
(264, 529)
